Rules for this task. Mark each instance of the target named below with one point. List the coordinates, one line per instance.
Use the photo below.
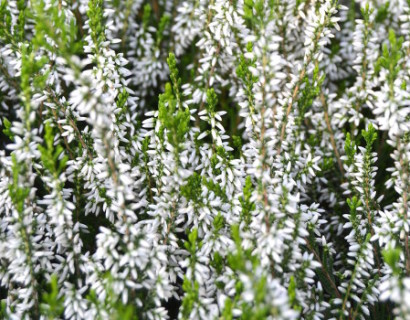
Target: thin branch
(332, 136)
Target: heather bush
(204, 159)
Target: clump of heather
(205, 159)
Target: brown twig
(299, 81)
(71, 121)
(323, 268)
(332, 136)
(405, 205)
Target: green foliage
(95, 14)
(50, 155)
(91, 84)
(191, 297)
(52, 305)
(163, 25)
(238, 259)
(247, 205)
(212, 100)
(217, 262)
(350, 149)
(227, 311)
(382, 12)
(292, 291)
(21, 22)
(176, 121)
(116, 309)
(176, 81)
(17, 192)
(366, 12)
(218, 223)
(253, 9)
(248, 9)
(390, 58)
(191, 245)
(243, 70)
(31, 73)
(310, 91)
(5, 23)
(354, 203)
(122, 105)
(52, 22)
(146, 16)
(214, 187)
(193, 189)
(392, 257)
(7, 128)
(369, 135)
(190, 287)
(237, 142)
(258, 311)
(3, 311)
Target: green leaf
(52, 305)
(7, 128)
(218, 223)
(392, 257)
(212, 100)
(369, 135)
(350, 149)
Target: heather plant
(206, 159)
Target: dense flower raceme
(204, 159)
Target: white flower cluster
(207, 159)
